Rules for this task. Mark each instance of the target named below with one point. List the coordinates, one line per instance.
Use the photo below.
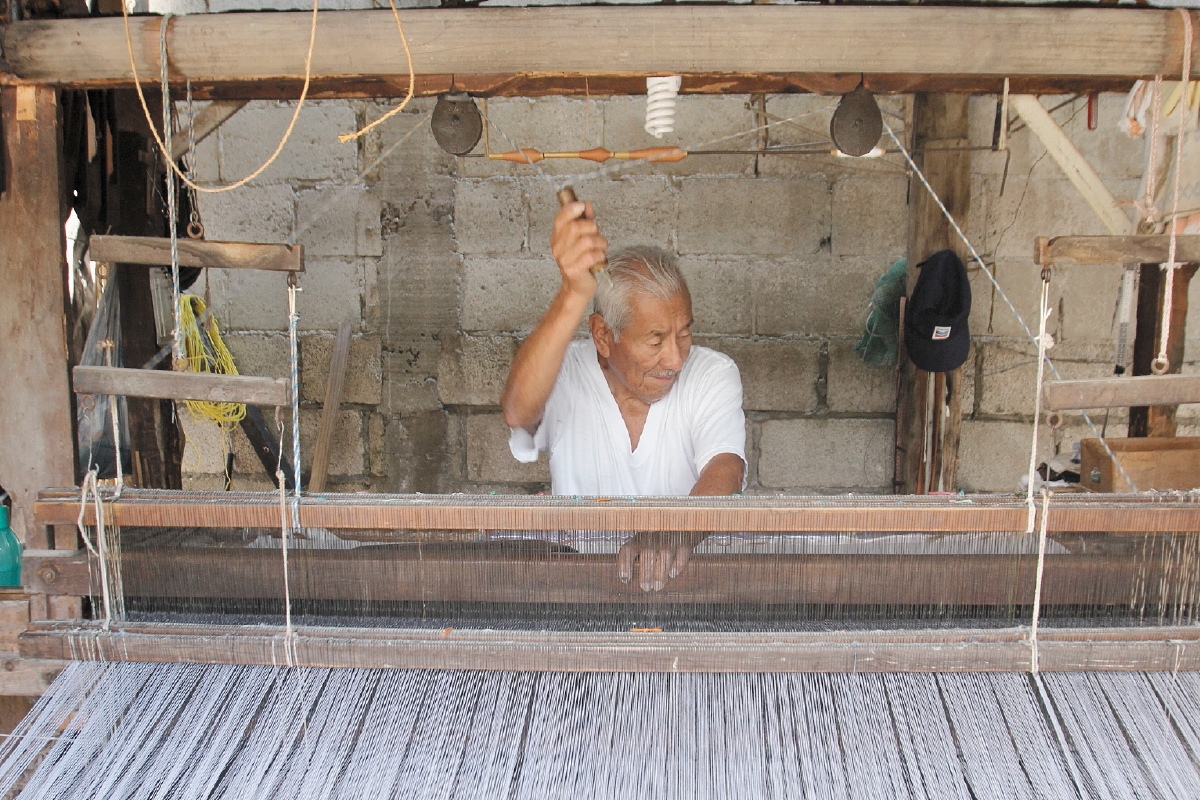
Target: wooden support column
(1158, 420)
(939, 120)
(37, 446)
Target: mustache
(667, 373)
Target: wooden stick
(963, 650)
(1087, 250)
(207, 121)
(166, 385)
(528, 155)
(1144, 390)
(329, 412)
(154, 251)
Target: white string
(1148, 206)
(1037, 587)
(1044, 343)
(1162, 364)
(115, 413)
(1000, 291)
(172, 211)
(89, 487)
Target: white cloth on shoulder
(582, 429)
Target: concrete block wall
(443, 265)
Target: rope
(89, 487)
(1044, 343)
(172, 200)
(1161, 364)
(1148, 206)
(1037, 587)
(294, 347)
(999, 290)
(137, 84)
(206, 352)
(412, 80)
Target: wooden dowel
(154, 251)
(329, 412)
(1088, 250)
(1144, 390)
(525, 155)
(566, 196)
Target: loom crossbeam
(153, 251)
(1007, 650)
(166, 385)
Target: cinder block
(488, 456)
(421, 448)
(347, 447)
(1088, 304)
(990, 315)
(264, 355)
(248, 300)
(699, 120)
(342, 221)
(820, 295)
(762, 216)
(856, 387)
(994, 455)
(505, 294)
(722, 294)
(777, 374)
(312, 153)
(203, 444)
(826, 453)
(418, 283)
(1010, 376)
(364, 369)
(401, 152)
(333, 290)
(489, 216)
(870, 216)
(178, 7)
(407, 396)
(195, 482)
(631, 210)
(250, 214)
(473, 370)
(543, 123)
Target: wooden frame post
(1158, 420)
(938, 120)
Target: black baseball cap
(936, 334)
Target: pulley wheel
(456, 123)
(857, 124)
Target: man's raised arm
(577, 247)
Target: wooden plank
(27, 676)
(1072, 163)
(1159, 420)
(1106, 43)
(1064, 251)
(58, 572)
(206, 122)
(1151, 463)
(1005, 650)
(1145, 390)
(36, 415)
(329, 411)
(197, 253)
(982, 513)
(181, 385)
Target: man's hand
(650, 559)
(578, 247)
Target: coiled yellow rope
(206, 352)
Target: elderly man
(636, 409)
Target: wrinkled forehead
(648, 311)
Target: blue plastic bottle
(10, 552)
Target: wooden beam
(1145, 390)
(336, 379)
(36, 414)
(1072, 163)
(1006, 650)
(1104, 43)
(528, 572)
(1159, 420)
(155, 251)
(207, 120)
(149, 508)
(1063, 251)
(181, 385)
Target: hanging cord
(1148, 208)
(1037, 586)
(115, 414)
(89, 487)
(1045, 342)
(412, 80)
(285, 528)
(1161, 364)
(294, 345)
(177, 352)
(999, 290)
(137, 84)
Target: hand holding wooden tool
(566, 196)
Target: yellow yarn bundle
(207, 353)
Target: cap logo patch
(941, 332)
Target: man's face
(651, 350)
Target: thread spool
(660, 104)
(566, 196)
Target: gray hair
(636, 270)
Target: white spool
(660, 104)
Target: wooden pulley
(857, 123)
(456, 123)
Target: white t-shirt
(700, 417)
